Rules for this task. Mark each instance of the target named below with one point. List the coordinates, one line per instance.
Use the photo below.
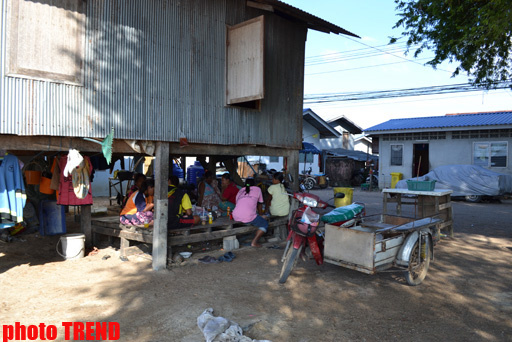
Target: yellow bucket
(341, 202)
(395, 177)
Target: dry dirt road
(467, 295)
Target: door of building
(420, 162)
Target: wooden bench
(220, 228)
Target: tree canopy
(475, 33)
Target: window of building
(46, 40)
(273, 159)
(308, 157)
(244, 64)
(396, 154)
(490, 154)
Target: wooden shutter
(245, 61)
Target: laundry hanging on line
(12, 192)
(74, 187)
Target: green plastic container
(421, 185)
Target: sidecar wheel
(418, 271)
(289, 263)
(309, 183)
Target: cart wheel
(289, 263)
(309, 183)
(418, 271)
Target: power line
(356, 68)
(409, 60)
(342, 57)
(348, 56)
(403, 45)
(382, 94)
(432, 98)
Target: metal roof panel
(313, 22)
(447, 121)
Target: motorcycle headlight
(310, 202)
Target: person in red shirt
(229, 191)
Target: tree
(475, 33)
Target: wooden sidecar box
(363, 249)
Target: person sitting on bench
(179, 207)
(249, 201)
(136, 211)
(229, 192)
(278, 201)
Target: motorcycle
(373, 179)
(302, 232)
(358, 177)
(304, 237)
(308, 181)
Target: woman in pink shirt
(248, 204)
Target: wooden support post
(293, 168)
(232, 167)
(160, 225)
(212, 165)
(85, 224)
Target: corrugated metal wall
(155, 68)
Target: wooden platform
(219, 229)
(426, 203)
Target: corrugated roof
(447, 121)
(352, 154)
(342, 121)
(312, 21)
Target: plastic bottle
(229, 212)
(194, 172)
(177, 170)
(210, 218)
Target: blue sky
(359, 67)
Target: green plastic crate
(421, 185)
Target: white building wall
(441, 152)
(330, 143)
(310, 134)
(278, 166)
(363, 146)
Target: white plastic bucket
(73, 246)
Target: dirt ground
(467, 295)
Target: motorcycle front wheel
(289, 263)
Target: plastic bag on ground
(219, 329)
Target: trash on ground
(220, 329)
(208, 260)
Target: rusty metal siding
(153, 69)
